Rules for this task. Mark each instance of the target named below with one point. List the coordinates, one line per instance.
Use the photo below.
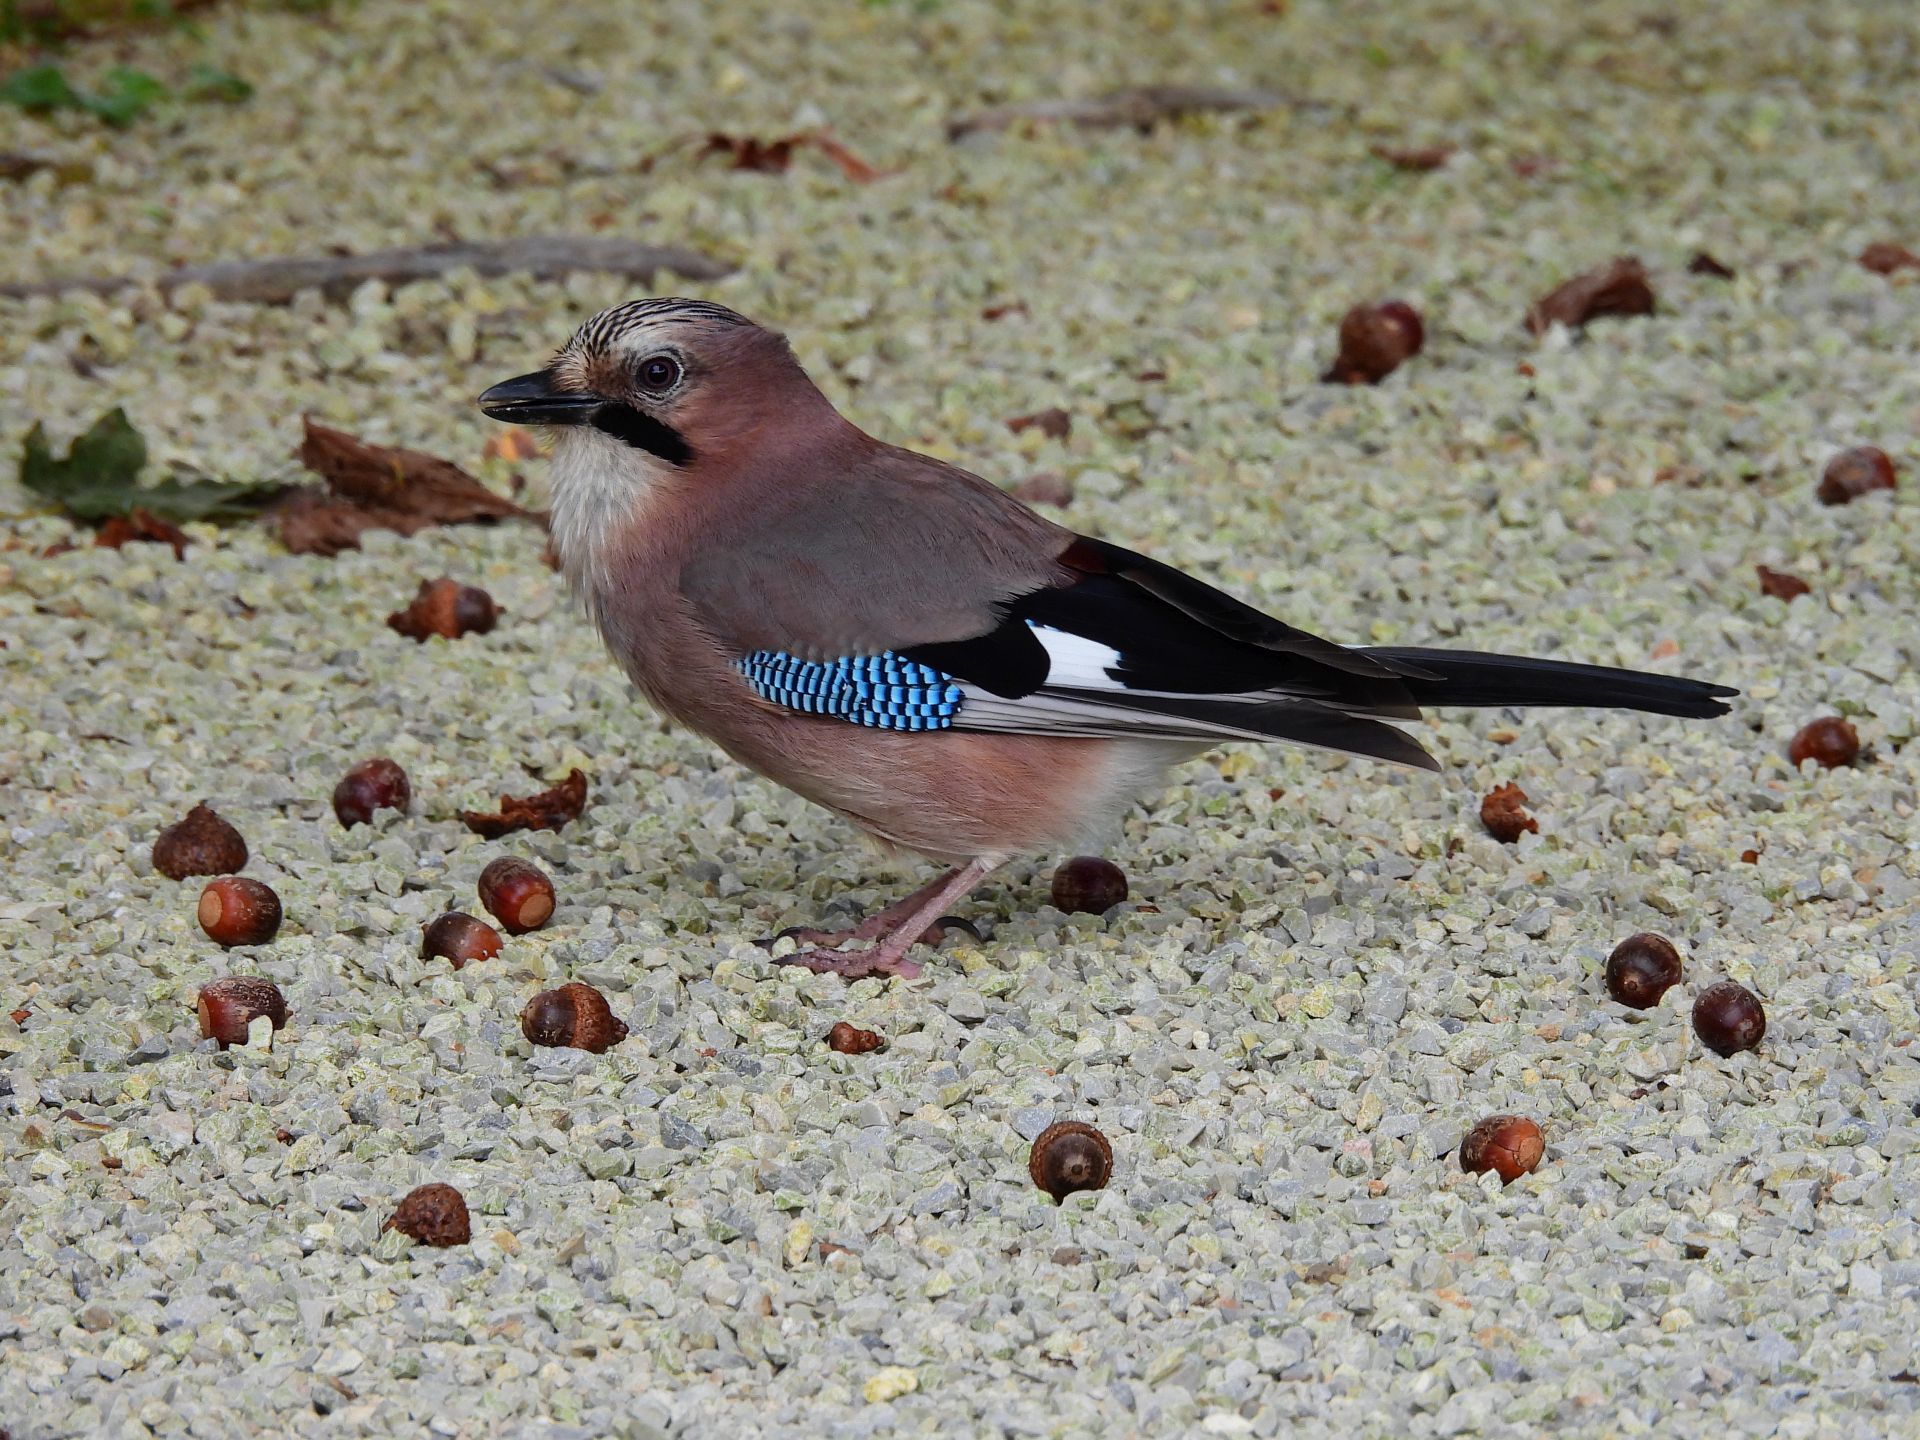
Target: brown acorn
(1729, 1018)
(1070, 1155)
(1088, 885)
(1508, 1145)
(1853, 473)
(229, 1005)
(201, 844)
(575, 1015)
(433, 1215)
(458, 938)
(237, 911)
(376, 784)
(1641, 969)
(517, 894)
(446, 607)
(1374, 341)
(850, 1040)
(1829, 741)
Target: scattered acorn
(517, 894)
(575, 1015)
(201, 844)
(1641, 969)
(1504, 814)
(448, 608)
(376, 784)
(851, 1040)
(1508, 1145)
(1088, 885)
(1070, 1155)
(1374, 341)
(1729, 1018)
(433, 1215)
(237, 911)
(229, 1005)
(1853, 473)
(459, 938)
(1830, 741)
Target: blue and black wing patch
(885, 691)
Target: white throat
(599, 487)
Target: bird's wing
(912, 595)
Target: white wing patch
(1076, 663)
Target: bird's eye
(659, 372)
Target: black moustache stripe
(643, 432)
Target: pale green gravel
(1312, 995)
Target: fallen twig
(274, 282)
(1141, 106)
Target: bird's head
(653, 399)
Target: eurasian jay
(911, 647)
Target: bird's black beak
(537, 399)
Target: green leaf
(42, 88)
(124, 95)
(100, 478)
(210, 82)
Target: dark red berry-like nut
(432, 1215)
(1830, 741)
(850, 1040)
(459, 939)
(1070, 1155)
(446, 607)
(1853, 473)
(1729, 1018)
(201, 844)
(237, 911)
(227, 1007)
(1508, 1145)
(575, 1015)
(1641, 969)
(377, 784)
(517, 894)
(1374, 341)
(1088, 885)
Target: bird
(908, 645)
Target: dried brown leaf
(1781, 585)
(1504, 814)
(549, 810)
(1883, 257)
(1053, 422)
(140, 524)
(1417, 157)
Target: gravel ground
(1327, 971)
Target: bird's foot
(852, 964)
(872, 928)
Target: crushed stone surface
(1326, 972)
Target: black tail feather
(1471, 678)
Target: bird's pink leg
(908, 925)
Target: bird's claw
(852, 965)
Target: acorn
(1374, 341)
(201, 844)
(517, 894)
(851, 1040)
(446, 607)
(229, 1005)
(1829, 741)
(433, 1215)
(1853, 473)
(376, 784)
(237, 911)
(1508, 1145)
(1088, 885)
(1641, 969)
(1729, 1018)
(458, 938)
(575, 1015)
(1070, 1156)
